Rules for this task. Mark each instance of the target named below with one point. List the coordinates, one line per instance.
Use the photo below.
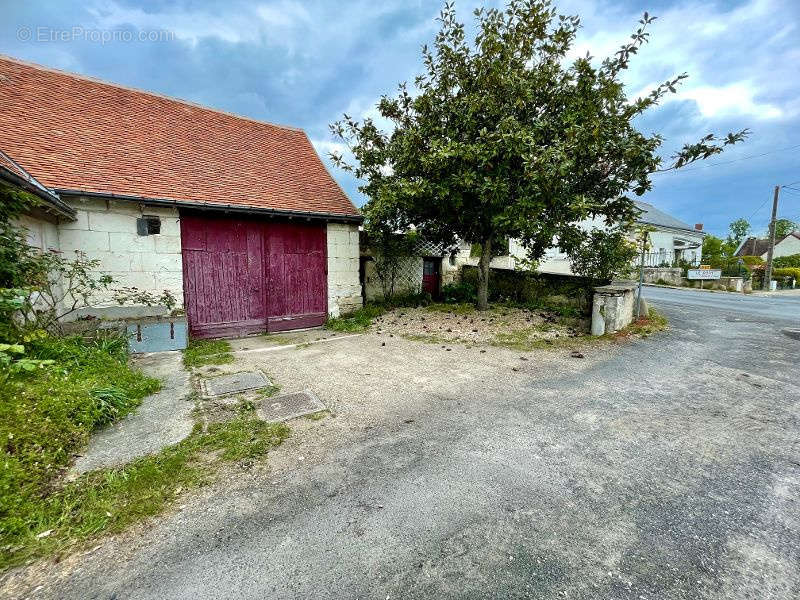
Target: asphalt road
(779, 306)
(664, 468)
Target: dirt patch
(500, 325)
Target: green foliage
(357, 321)
(46, 416)
(207, 352)
(530, 289)
(739, 230)
(787, 273)
(601, 256)
(783, 262)
(459, 292)
(784, 227)
(504, 138)
(110, 500)
(133, 295)
(751, 261)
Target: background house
(239, 219)
(670, 240)
(785, 246)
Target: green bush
(787, 274)
(459, 292)
(526, 287)
(752, 260)
(787, 262)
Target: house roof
(79, 134)
(752, 247)
(758, 247)
(18, 177)
(653, 216)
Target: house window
(148, 225)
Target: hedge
(526, 286)
(787, 272)
(787, 262)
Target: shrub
(787, 262)
(460, 292)
(786, 275)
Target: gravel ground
(666, 467)
(465, 325)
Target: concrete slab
(163, 419)
(290, 406)
(234, 383)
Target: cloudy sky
(305, 63)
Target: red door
(297, 275)
(430, 276)
(247, 276)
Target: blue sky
(305, 63)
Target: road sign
(705, 267)
(703, 274)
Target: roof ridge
(141, 91)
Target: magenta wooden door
(224, 272)
(297, 276)
(247, 276)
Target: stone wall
(106, 230)
(612, 308)
(344, 287)
(672, 276)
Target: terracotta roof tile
(77, 133)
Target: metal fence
(670, 258)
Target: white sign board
(704, 273)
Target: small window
(147, 225)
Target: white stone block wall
(106, 230)
(344, 288)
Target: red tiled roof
(76, 133)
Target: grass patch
(207, 352)
(319, 415)
(110, 500)
(357, 321)
(46, 416)
(653, 323)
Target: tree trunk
(483, 274)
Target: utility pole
(641, 276)
(768, 272)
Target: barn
(238, 218)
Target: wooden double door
(245, 276)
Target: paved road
(665, 468)
(777, 306)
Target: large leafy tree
(739, 230)
(784, 227)
(502, 138)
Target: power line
(727, 162)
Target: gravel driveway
(667, 467)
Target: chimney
(698, 226)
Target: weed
(109, 500)
(207, 352)
(360, 320)
(318, 415)
(46, 417)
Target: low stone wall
(729, 284)
(669, 275)
(612, 308)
